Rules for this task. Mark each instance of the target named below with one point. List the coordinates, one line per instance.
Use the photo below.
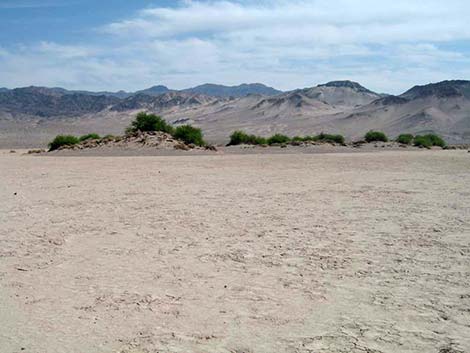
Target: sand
(348, 252)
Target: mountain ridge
(343, 107)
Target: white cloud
(65, 51)
(323, 21)
(288, 44)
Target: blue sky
(387, 46)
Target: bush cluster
(405, 139)
(63, 140)
(330, 138)
(375, 136)
(189, 135)
(429, 141)
(240, 137)
(278, 139)
(92, 136)
(426, 141)
(145, 122)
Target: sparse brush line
(143, 123)
(240, 137)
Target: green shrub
(189, 134)
(278, 138)
(422, 141)
(63, 140)
(330, 138)
(374, 136)
(309, 138)
(405, 139)
(149, 122)
(429, 141)
(436, 140)
(89, 137)
(256, 140)
(240, 137)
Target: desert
(291, 252)
(234, 176)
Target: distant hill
(153, 91)
(442, 108)
(45, 102)
(161, 102)
(233, 91)
(444, 89)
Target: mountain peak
(443, 89)
(154, 90)
(242, 90)
(347, 84)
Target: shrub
(149, 122)
(309, 138)
(89, 137)
(330, 138)
(256, 140)
(374, 136)
(436, 140)
(278, 138)
(189, 134)
(422, 141)
(405, 139)
(239, 137)
(63, 140)
(429, 141)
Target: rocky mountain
(153, 91)
(442, 107)
(35, 114)
(44, 102)
(342, 93)
(444, 89)
(233, 91)
(157, 103)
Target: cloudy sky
(388, 46)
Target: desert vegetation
(91, 136)
(189, 135)
(242, 138)
(143, 123)
(375, 136)
(278, 139)
(428, 141)
(330, 138)
(405, 139)
(63, 140)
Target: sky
(387, 46)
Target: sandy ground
(351, 252)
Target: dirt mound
(154, 140)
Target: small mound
(151, 139)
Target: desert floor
(348, 252)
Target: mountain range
(31, 116)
